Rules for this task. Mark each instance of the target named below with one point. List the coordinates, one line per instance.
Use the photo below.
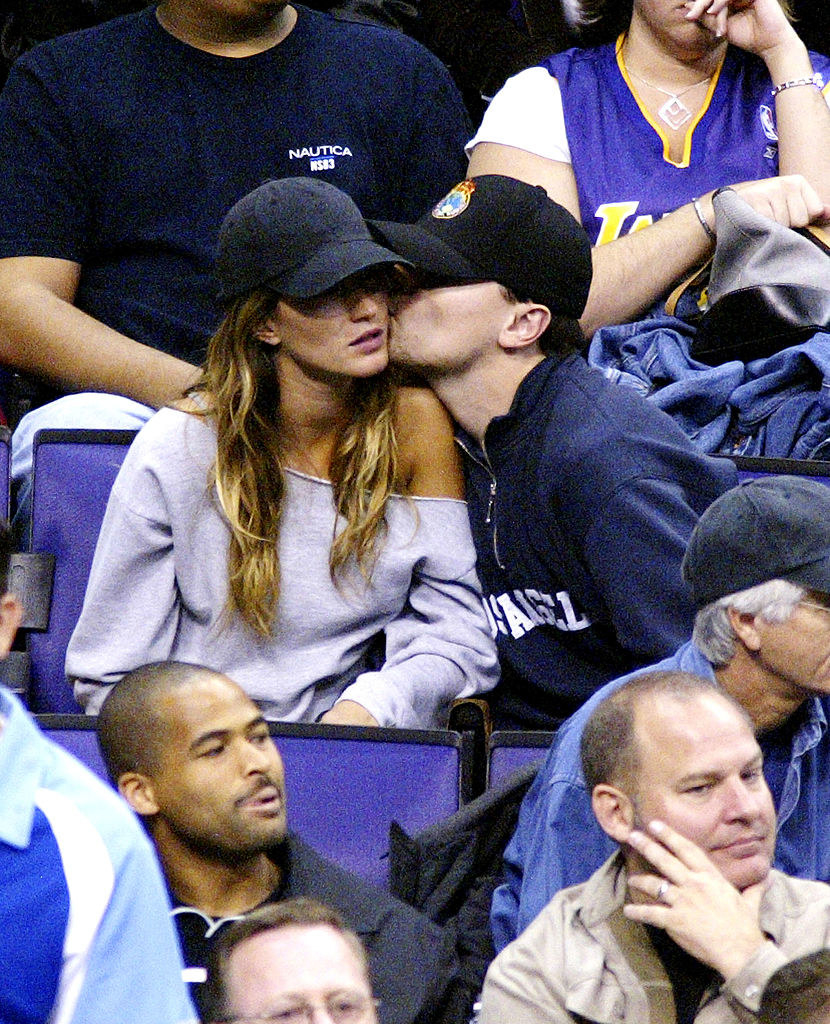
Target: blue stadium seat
(74, 471)
(509, 751)
(344, 785)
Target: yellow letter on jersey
(613, 217)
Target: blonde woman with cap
(297, 508)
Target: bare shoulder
(429, 458)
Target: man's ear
(613, 810)
(745, 627)
(11, 613)
(139, 793)
(528, 323)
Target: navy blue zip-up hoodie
(581, 500)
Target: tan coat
(568, 965)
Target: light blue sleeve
(135, 966)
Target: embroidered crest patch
(455, 201)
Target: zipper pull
(491, 503)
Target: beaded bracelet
(703, 222)
(815, 80)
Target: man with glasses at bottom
(291, 963)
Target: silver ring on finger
(662, 889)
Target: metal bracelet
(815, 80)
(703, 222)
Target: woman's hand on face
(757, 26)
(348, 712)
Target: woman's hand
(788, 199)
(758, 26)
(348, 712)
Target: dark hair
(799, 991)
(608, 747)
(272, 916)
(131, 729)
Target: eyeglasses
(342, 1009)
(817, 607)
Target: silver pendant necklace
(673, 112)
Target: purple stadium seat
(509, 751)
(344, 785)
(73, 473)
(5, 466)
(75, 733)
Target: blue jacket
(775, 406)
(581, 503)
(558, 842)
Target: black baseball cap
(300, 236)
(771, 528)
(495, 228)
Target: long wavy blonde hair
(239, 390)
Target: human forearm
(439, 647)
(802, 116)
(634, 270)
(803, 119)
(631, 272)
(43, 334)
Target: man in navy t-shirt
(125, 145)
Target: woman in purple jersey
(666, 109)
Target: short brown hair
(271, 917)
(608, 746)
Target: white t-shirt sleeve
(526, 113)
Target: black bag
(769, 285)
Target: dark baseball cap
(495, 228)
(300, 236)
(772, 528)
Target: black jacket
(449, 872)
(412, 961)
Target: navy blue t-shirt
(123, 148)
